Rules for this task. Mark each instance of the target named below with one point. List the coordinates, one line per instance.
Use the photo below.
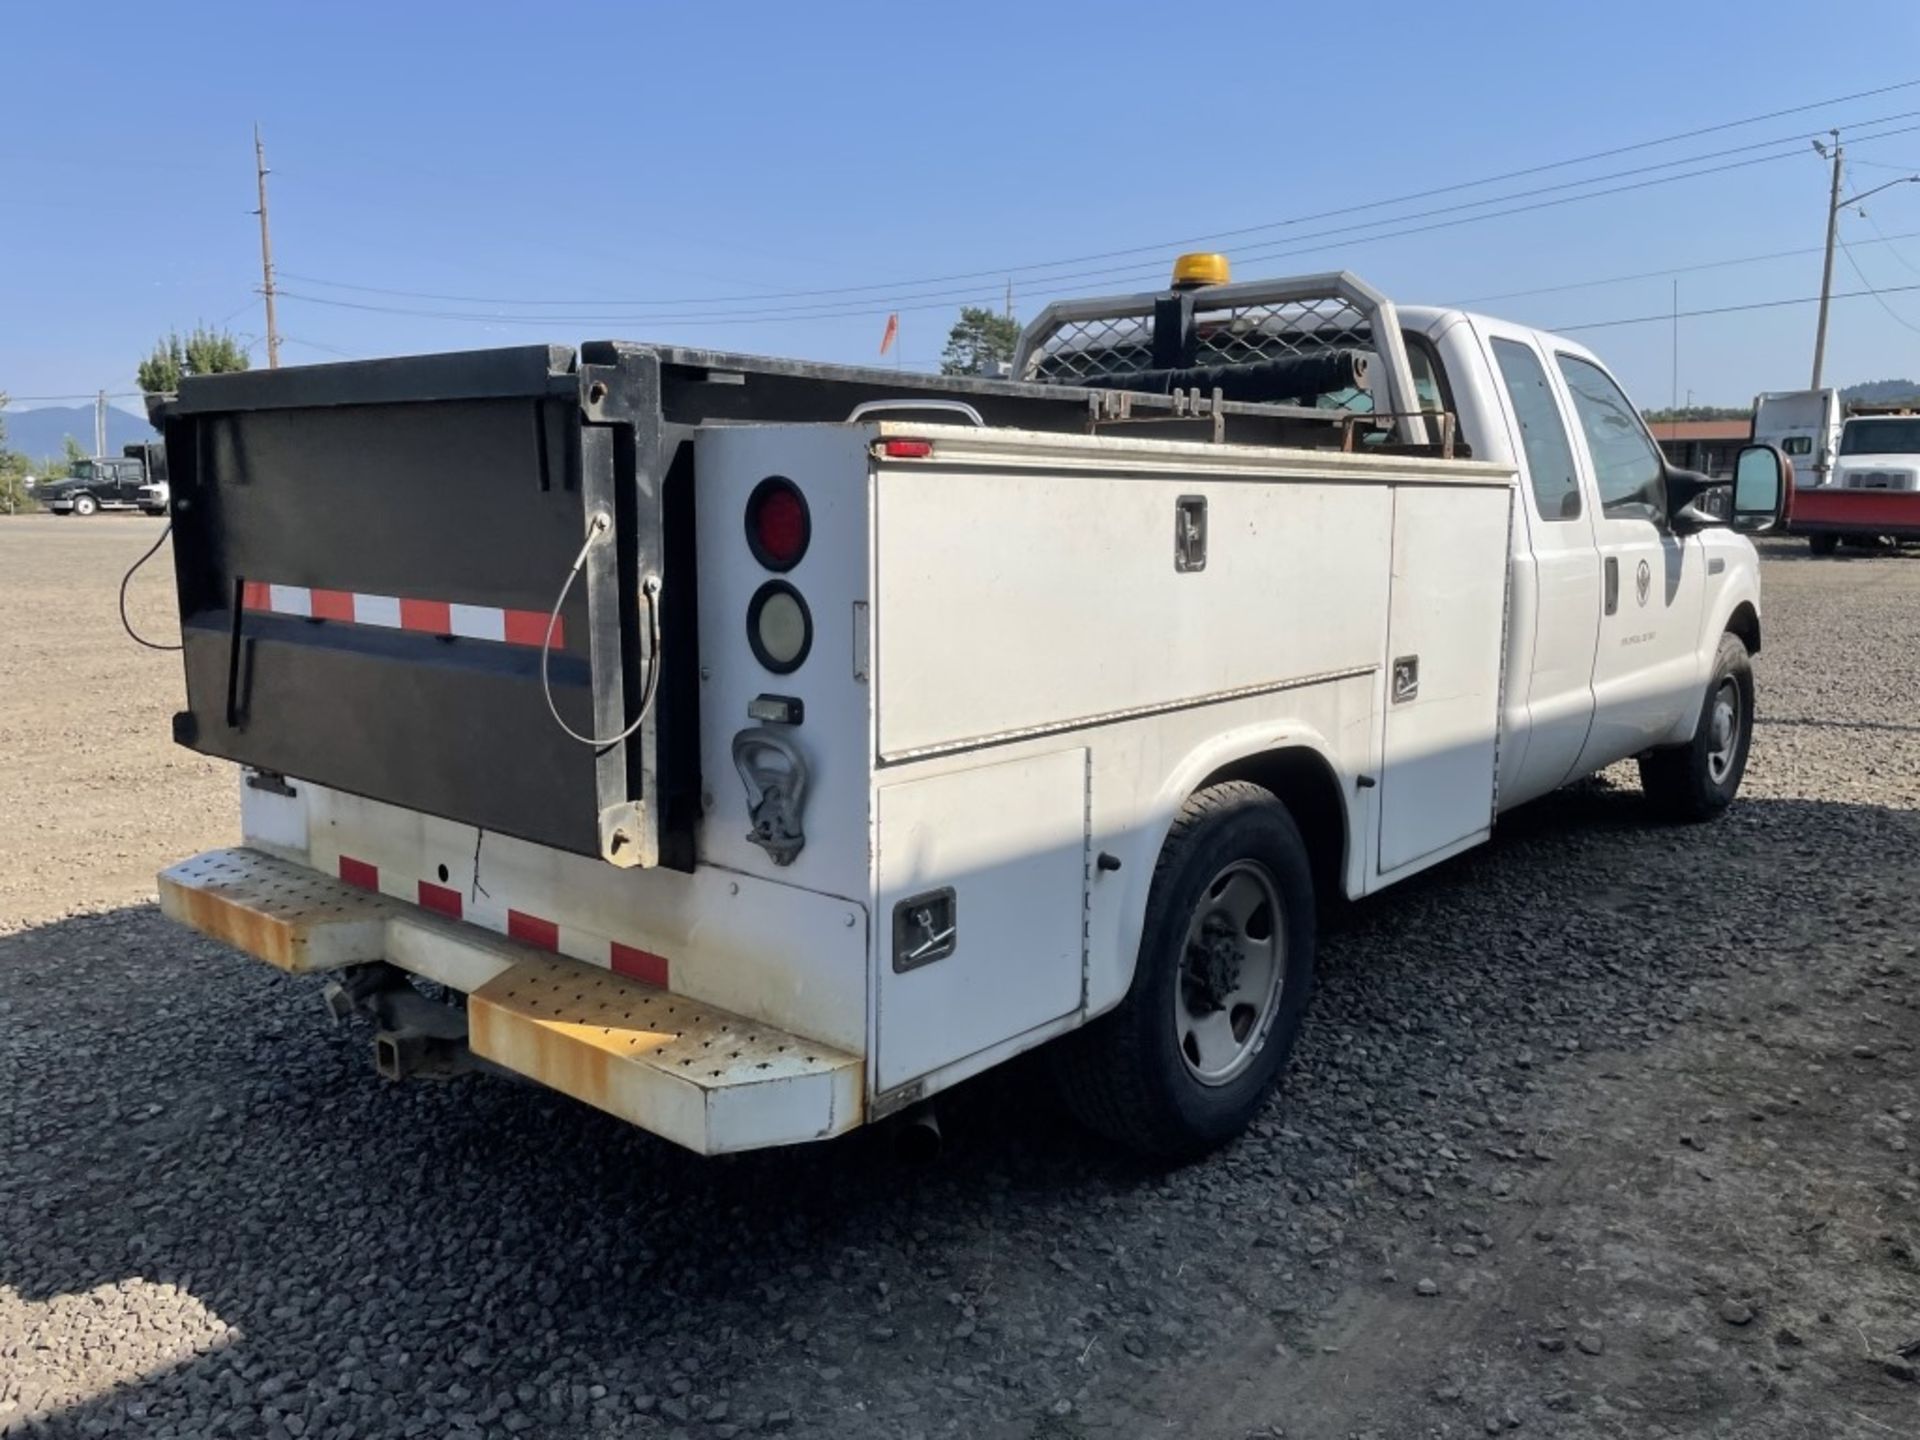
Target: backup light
(779, 627)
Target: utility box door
(1446, 630)
(1003, 847)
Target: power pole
(266, 251)
(100, 423)
(1826, 273)
(1009, 297)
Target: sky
(777, 178)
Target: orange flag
(892, 332)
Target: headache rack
(1323, 341)
(368, 554)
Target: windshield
(1881, 437)
(81, 470)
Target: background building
(1708, 446)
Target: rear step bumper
(699, 1076)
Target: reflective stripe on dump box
(700, 1076)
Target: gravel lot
(1605, 1130)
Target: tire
(84, 505)
(1823, 544)
(1698, 780)
(1139, 1075)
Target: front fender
(1732, 604)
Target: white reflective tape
(377, 610)
(478, 622)
(290, 600)
(578, 944)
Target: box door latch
(1190, 533)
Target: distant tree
(204, 352)
(980, 342)
(75, 454)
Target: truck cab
(107, 482)
(1873, 495)
(1619, 596)
(1804, 425)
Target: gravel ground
(1604, 1130)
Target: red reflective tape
(640, 964)
(533, 930)
(440, 898)
(358, 872)
(529, 627)
(254, 595)
(332, 604)
(431, 616)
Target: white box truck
(1804, 425)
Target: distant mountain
(40, 434)
(1882, 392)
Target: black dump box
(369, 555)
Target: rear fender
(1249, 752)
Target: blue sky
(702, 174)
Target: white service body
(1012, 688)
(1016, 676)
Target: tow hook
(776, 792)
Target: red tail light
(778, 525)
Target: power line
(1663, 317)
(1667, 317)
(1887, 240)
(1670, 270)
(77, 395)
(943, 300)
(1161, 247)
(1892, 314)
(876, 306)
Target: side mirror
(1762, 479)
(1696, 500)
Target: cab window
(1543, 433)
(1797, 444)
(1627, 469)
(1429, 388)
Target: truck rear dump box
(368, 556)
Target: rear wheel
(85, 505)
(1823, 544)
(1698, 780)
(1220, 987)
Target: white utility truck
(754, 749)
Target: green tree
(204, 352)
(980, 342)
(75, 455)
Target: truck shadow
(178, 1116)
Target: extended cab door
(1556, 579)
(1652, 582)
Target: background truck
(1804, 425)
(133, 480)
(1873, 492)
(755, 749)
